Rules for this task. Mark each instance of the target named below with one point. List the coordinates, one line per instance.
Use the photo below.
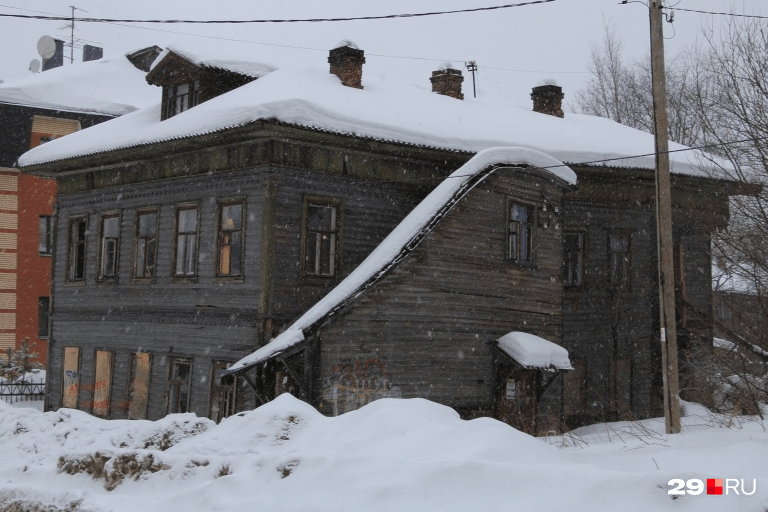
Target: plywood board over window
(102, 383)
(141, 364)
(71, 377)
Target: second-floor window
(574, 259)
(108, 246)
(619, 260)
(520, 234)
(180, 98)
(230, 244)
(186, 242)
(76, 253)
(45, 245)
(321, 238)
(146, 245)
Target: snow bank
(389, 455)
(384, 110)
(110, 86)
(401, 237)
(534, 352)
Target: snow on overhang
(533, 352)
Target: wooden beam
(299, 380)
(252, 385)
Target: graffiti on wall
(358, 381)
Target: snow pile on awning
(402, 236)
(534, 352)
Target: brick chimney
(548, 99)
(447, 81)
(347, 63)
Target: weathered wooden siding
(369, 211)
(205, 318)
(424, 330)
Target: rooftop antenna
(472, 68)
(71, 27)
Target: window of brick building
(45, 244)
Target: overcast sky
(514, 48)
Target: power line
(724, 13)
(298, 20)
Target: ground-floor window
(102, 383)
(71, 377)
(222, 403)
(138, 391)
(179, 381)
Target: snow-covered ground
(404, 455)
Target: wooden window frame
(327, 202)
(582, 261)
(216, 387)
(101, 275)
(171, 98)
(78, 251)
(174, 264)
(45, 243)
(513, 235)
(624, 284)
(136, 240)
(169, 392)
(43, 318)
(221, 233)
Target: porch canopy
(533, 352)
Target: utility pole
(72, 38)
(666, 268)
(472, 67)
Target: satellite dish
(34, 66)
(46, 47)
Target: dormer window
(181, 97)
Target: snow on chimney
(548, 99)
(447, 81)
(346, 62)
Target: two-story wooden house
(254, 204)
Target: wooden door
(517, 399)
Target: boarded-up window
(620, 385)
(222, 402)
(71, 377)
(575, 390)
(102, 383)
(138, 393)
(180, 373)
(230, 240)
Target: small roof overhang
(534, 353)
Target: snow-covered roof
(202, 58)
(110, 86)
(407, 234)
(534, 352)
(384, 110)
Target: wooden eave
(251, 132)
(175, 69)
